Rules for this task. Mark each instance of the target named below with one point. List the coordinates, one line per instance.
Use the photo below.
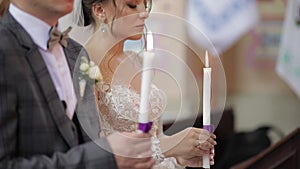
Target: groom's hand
(132, 150)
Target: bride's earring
(102, 22)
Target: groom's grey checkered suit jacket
(34, 130)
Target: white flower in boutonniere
(89, 73)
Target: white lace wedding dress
(118, 107)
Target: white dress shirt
(55, 59)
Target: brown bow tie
(57, 37)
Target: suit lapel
(71, 56)
(43, 78)
(86, 111)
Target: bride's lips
(141, 26)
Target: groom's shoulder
(75, 46)
(8, 38)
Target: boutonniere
(89, 73)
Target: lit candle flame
(206, 59)
(149, 41)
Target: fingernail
(213, 136)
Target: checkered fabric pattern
(34, 129)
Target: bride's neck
(107, 51)
(104, 44)
(117, 50)
(110, 62)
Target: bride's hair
(87, 10)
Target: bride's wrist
(178, 164)
(165, 146)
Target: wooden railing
(283, 155)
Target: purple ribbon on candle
(210, 128)
(145, 127)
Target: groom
(38, 126)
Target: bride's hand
(189, 144)
(196, 161)
(131, 150)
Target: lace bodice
(119, 109)
(118, 103)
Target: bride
(113, 22)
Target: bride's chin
(136, 37)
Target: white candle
(206, 102)
(206, 91)
(148, 57)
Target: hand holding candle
(206, 104)
(148, 57)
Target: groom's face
(54, 7)
(45, 9)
